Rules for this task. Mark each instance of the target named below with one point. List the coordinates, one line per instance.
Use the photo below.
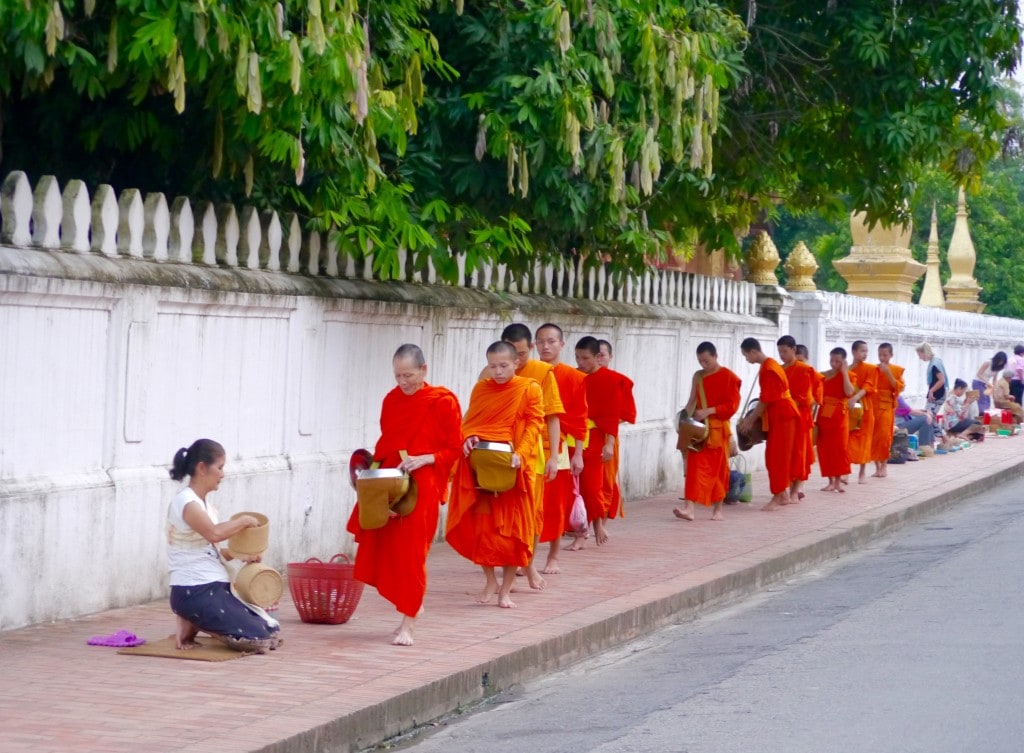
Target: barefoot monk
(833, 444)
(802, 379)
(420, 433)
(497, 529)
(890, 385)
(714, 398)
(865, 377)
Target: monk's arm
(691, 401)
(554, 426)
(848, 387)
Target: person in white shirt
(201, 595)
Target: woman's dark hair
(202, 451)
(998, 362)
(1018, 349)
(959, 384)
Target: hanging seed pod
(200, 30)
(179, 84)
(218, 144)
(112, 46)
(250, 174)
(510, 167)
(54, 28)
(242, 67)
(300, 168)
(669, 74)
(481, 139)
(524, 173)
(616, 171)
(459, 7)
(254, 96)
(564, 32)
(634, 175)
(295, 67)
(696, 143)
(362, 93)
(602, 111)
(89, 7)
(223, 42)
(279, 16)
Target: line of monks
(562, 424)
(799, 410)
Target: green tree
(509, 128)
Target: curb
(726, 581)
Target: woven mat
(207, 650)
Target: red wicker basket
(324, 592)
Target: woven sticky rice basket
(251, 541)
(259, 584)
(324, 592)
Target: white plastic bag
(578, 515)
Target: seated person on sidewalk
(201, 595)
(917, 422)
(959, 413)
(1002, 396)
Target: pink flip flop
(120, 639)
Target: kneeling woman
(201, 594)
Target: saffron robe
(884, 408)
(498, 530)
(393, 559)
(543, 374)
(866, 375)
(783, 448)
(834, 427)
(707, 470)
(604, 396)
(801, 378)
(558, 494)
(627, 414)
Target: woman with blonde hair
(938, 381)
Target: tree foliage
(508, 128)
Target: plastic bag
(578, 514)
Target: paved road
(914, 644)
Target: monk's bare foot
(600, 531)
(185, 637)
(829, 488)
(577, 543)
(505, 601)
(682, 514)
(841, 490)
(519, 572)
(537, 582)
(844, 480)
(485, 595)
(403, 636)
(551, 567)
(800, 495)
(862, 478)
(775, 503)
(717, 513)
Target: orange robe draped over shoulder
(885, 412)
(543, 374)
(782, 453)
(498, 530)
(834, 427)
(604, 395)
(866, 375)
(393, 559)
(707, 471)
(558, 494)
(627, 414)
(802, 381)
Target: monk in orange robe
(801, 378)
(833, 421)
(714, 399)
(559, 494)
(604, 411)
(890, 385)
(420, 433)
(803, 356)
(627, 405)
(520, 338)
(498, 529)
(781, 419)
(865, 376)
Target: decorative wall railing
(133, 225)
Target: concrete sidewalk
(345, 687)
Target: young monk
(520, 338)
(420, 433)
(714, 399)
(833, 421)
(865, 375)
(498, 529)
(627, 405)
(781, 419)
(890, 385)
(558, 494)
(801, 378)
(604, 393)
